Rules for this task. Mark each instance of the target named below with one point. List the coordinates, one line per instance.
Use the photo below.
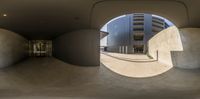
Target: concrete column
(78, 47)
(120, 49)
(126, 48)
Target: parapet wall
(163, 43)
(189, 58)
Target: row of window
(138, 37)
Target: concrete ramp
(136, 66)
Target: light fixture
(4, 15)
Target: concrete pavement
(50, 78)
(132, 65)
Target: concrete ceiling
(46, 19)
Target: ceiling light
(4, 15)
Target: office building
(130, 33)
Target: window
(138, 37)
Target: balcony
(139, 17)
(138, 43)
(138, 33)
(138, 26)
(158, 21)
(156, 29)
(158, 24)
(142, 19)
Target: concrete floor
(50, 78)
(133, 65)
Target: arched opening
(139, 45)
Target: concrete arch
(104, 11)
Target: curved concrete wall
(78, 47)
(13, 48)
(108, 9)
(189, 58)
(163, 43)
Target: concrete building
(130, 33)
